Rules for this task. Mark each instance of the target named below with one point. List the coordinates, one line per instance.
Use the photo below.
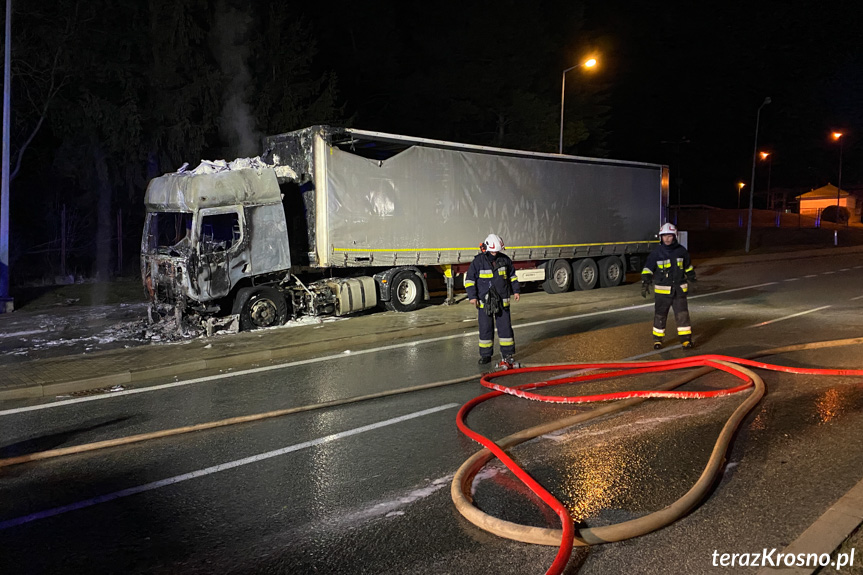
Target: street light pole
(752, 182)
(739, 189)
(588, 64)
(5, 300)
(769, 157)
(838, 136)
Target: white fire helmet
(667, 229)
(493, 243)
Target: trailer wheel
(611, 271)
(260, 307)
(405, 292)
(586, 274)
(558, 277)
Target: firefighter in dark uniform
(490, 281)
(670, 270)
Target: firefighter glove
(644, 290)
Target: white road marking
(811, 276)
(791, 280)
(264, 369)
(23, 333)
(789, 316)
(827, 273)
(216, 468)
(856, 298)
(633, 358)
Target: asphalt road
(364, 488)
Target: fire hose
(566, 537)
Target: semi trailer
(332, 221)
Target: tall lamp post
(587, 64)
(838, 136)
(769, 157)
(739, 189)
(752, 182)
(5, 300)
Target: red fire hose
(566, 537)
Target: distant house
(814, 201)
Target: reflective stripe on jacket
(486, 270)
(668, 266)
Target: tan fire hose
(462, 481)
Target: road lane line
(263, 369)
(791, 280)
(216, 468)
(633, 358)
(788, 316)
(811, 276)
(856, 298)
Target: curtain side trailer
(334, 221)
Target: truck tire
(558, 276)
(611, 271)
(260, 307)
(586, 274)
(405, 292)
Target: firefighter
(670, 271)
(490, 281)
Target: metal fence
(706, 218)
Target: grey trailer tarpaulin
(427, 203)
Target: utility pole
(679, 177)
(754, 156)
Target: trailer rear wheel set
(583, 274)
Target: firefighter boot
(657, 345)
(484, 360)
(687, 344)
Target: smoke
(228, 43)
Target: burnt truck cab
(210, 232)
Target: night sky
(124, 91)
(669, 72)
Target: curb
(290, 350)
(827, 533)
(730, 260)
(125, 377)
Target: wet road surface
(364, 488)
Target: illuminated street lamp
(838, 136)
(587, 64)
(752, 183)
(769, 157)
(739, 188)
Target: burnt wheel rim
(263, 312)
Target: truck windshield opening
(168, 230)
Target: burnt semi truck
(331, 221)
